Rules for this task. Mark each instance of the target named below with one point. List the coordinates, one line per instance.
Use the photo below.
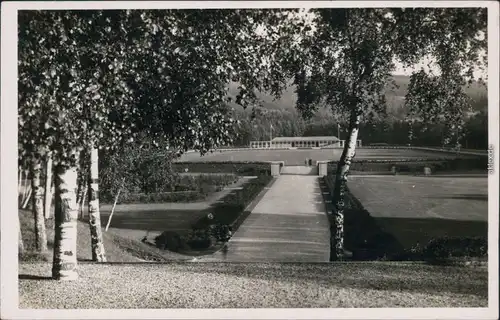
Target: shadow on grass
(481, 197)
(372, 238)
(404, 277)
(33, 277)
(154, 220)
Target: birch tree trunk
(20, 244)
(37, 209)
(337, 236)
(98, 253)
(48, 187)
(81, 179)
(65, 217)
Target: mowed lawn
(297, 157)
(417, 208)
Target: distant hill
(394, 96)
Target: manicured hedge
(221, 220)
(182, 188)
(415, 166)
(242, 168)
(177, 196)
(230, 207)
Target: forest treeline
(264, 123)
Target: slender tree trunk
(81, 179)
(20, 190)
(65, 216)
(81, 204)
(48, 187)
(26, 189)
(27, 197)
(98, 253)
(37, 209)
(19, 181)
(337, 238)
(20, 244)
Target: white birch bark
(337, 238)
(64, 266)
(48, 187)
(98, 252)
(37, 209)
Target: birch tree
(349, 58)
(96, 79)
(47, 202)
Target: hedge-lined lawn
(297, 157)
(183, 188)
(133, 221)
(417, 209)
(213, 229)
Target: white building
(300, 142)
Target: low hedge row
(240, 168)
(203, 182)
(177, 196)
(218, 225)
(232, 205)
(181, 189)
(415, 165)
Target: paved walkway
(289, 224)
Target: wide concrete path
(289, 224)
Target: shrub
(181, 196)
(170, 240)
(221, 232)
(456, 247)
(195, 239)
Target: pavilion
(300, 142)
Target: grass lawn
(416, 209)
(255, 285)
(297, 157)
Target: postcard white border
(9, 261)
